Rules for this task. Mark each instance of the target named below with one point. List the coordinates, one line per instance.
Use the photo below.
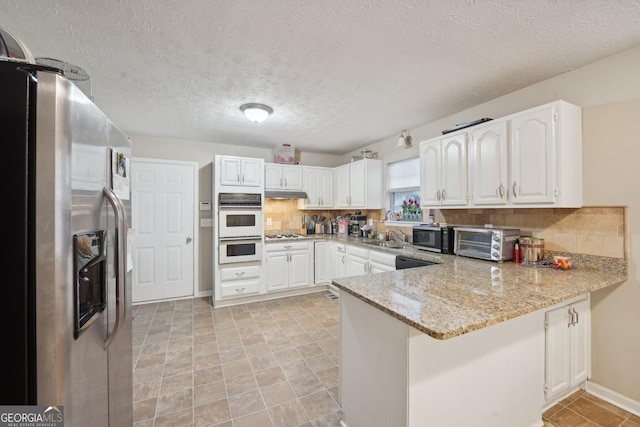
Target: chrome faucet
(397, 238)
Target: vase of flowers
(411, 210)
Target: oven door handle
(244, 207)
(237, 239)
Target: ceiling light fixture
(256, 112)
(404, 141)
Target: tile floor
(266, 364)
(582, 409)
(272, 363)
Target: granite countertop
(460, 295)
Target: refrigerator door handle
(120, 232)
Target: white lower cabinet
(320, 262)
(567, 347)
(363, 261)
(357, 261)
(380, 262)
(239, 280)
(337, 260)
(288, 265)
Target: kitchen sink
(387, 245)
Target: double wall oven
(240, 227)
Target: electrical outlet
(269, 222)
(206, 222)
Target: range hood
(281, 194)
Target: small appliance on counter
(434, 238)
(356, 222)
(333, 226)
(492, 244)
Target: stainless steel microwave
(433, 238)
(492, 244)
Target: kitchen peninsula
(459, 343)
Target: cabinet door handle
(577, 317)
(501, 191)
(438, 195)
(241, 273)
(280, 182)
(239, 178)
(239, 289)
(515, 194)
(285, 183)
(571, 321)
(242, 178)
(443, 195)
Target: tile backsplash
(592, 230)
(287, 218)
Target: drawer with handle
(239, 273)
(240, 288)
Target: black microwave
(433, 238)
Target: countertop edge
(617, 280)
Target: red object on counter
(516, 254)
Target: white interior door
(163, 208)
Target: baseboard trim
(614, 398)
(204, 294)
(269, 296)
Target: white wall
(611, 153)
(609, 80)
(609, 92)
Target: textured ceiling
(338, 74)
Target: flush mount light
(256, 112)
(404, 141)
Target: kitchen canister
(532, 248)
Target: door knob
(188, 240)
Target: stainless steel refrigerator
(65, 300)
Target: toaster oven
(492, 244)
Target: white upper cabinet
(528, 159)
(239, 171)
(545, 156)
(443, 166)
(359, 185)
(488, 164)
(318, 184)
(532, 157)
(282, 177)
(341, 184)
